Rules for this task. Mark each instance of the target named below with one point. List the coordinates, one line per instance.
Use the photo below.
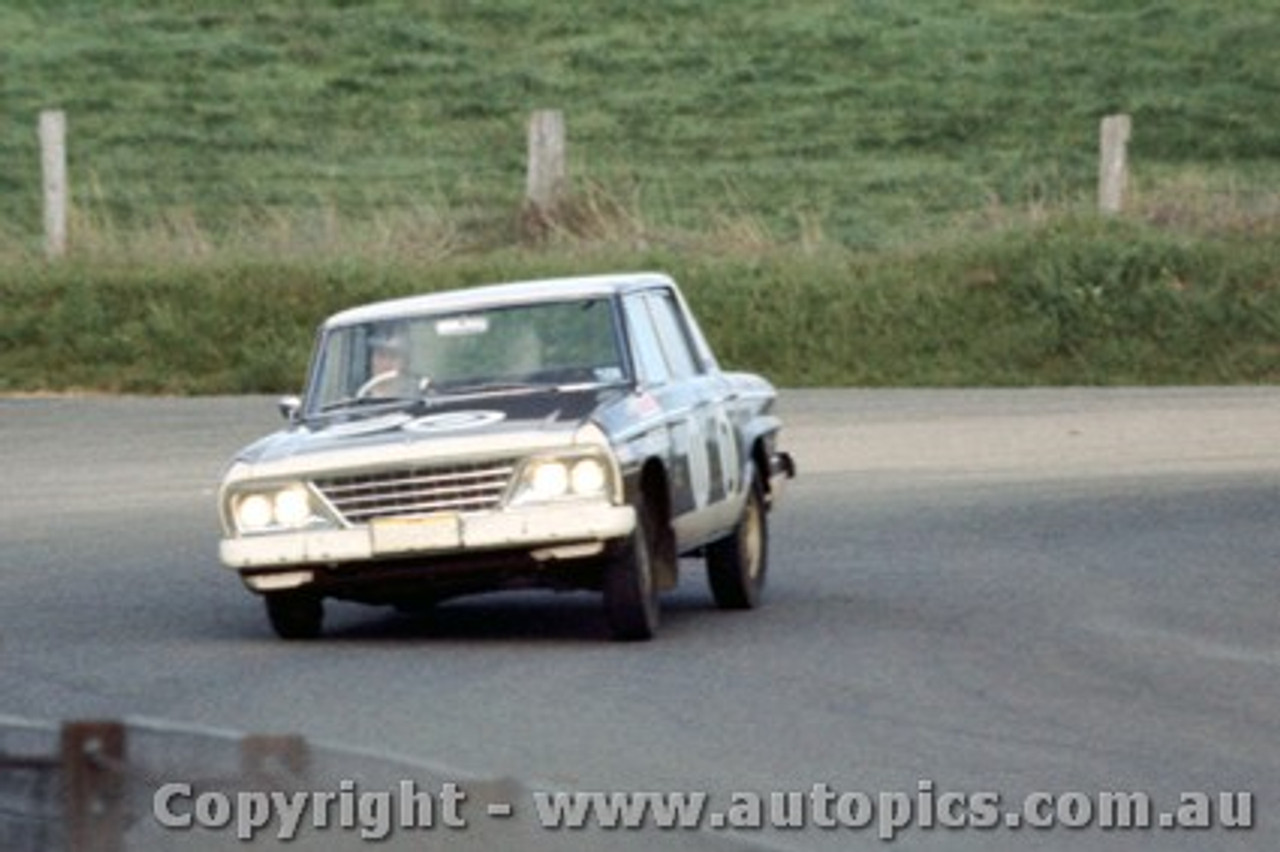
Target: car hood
(509, 423)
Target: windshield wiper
(494, 387)
(368, 402)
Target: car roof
(495, 295)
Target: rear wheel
(630, 590)
(418, 607)
(737, 564)
(295, 615)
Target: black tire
(295, 615)
(737, 564)
(417, 607)
(631, 605)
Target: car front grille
(421, 490)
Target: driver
(388, 368)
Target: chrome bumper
(529, 528)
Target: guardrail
(149, 786)
(115, 786)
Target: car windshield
(499, 350)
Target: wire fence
(229, 191)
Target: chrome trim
(535, 527)
(421, 489)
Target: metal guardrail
(93, 786)
(77, 787)
(31, 809)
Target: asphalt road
(1012, 592)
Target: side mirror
(289, 406)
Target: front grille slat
(376, 482)
(423, 489)
(408, 494)
(408, 489)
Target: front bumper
(528, 528)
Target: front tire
(738, 563)
(295, 615)
(630, 589)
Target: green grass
(1074, 301)
(879, 119)
(875, 192)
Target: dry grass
(597, 219)
(1202, 202)
(180, 239)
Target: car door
(704, 466)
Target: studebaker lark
(570, 434)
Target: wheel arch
(650, 491)
(757, 460)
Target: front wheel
(630, 591)
(295, 615)
(737, 563)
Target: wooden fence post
(265, 756)
(1113, 172)
(545, 186)
(93, 763)
(53, 168)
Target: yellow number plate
(441, 531)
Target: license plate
(440, 531)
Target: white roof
(493, 295)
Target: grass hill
(872, 122)
(904, 162)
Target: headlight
(563, 477)
(253, 512)
(548, 480)
(293, 507)
(589, 477)
(288, 507)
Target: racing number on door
(704, 439)
(713, 456)
(699, 463)
(727, 444)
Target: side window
(646, 349)
(345, 364)
(673, 335)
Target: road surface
(1004, 592)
